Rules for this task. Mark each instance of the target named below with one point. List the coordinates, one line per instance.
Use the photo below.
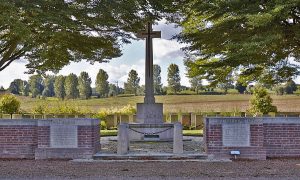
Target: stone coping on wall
(254, 120)
(72, 121)
(48, 122)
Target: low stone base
(64, 153)
(149, 113)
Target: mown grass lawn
(185, 133)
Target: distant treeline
(73, 86)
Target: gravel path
(30, 169)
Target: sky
(165, 52)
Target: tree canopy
(51, 34)
(253, 38)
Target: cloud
(167, 49)
(14, 71)
(167, 30)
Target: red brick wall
(18, 141)
(43, 136)
(28, 139)
(271, 137)
(282, 140)
(214, 144)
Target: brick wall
(17, 139)
(269, 137)
(30, 139)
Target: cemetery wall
(49, 138)
(254, 138)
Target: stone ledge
(74, 121)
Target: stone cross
(149, 34)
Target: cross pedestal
(149, 112)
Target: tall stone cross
(149, 34)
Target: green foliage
(290, 87)
(103, 125)
(196, 83)
(126, 110)
(17, 86)
(26, 90)
(157, 79)
(173, 79)
(36, 85)
(279, 89)
(39, 109)
(253, 38)
(241, 87)
(261, 102)
(102, 85)
(59, 87)
(49, 86)
(71, 84)
(133, 83)
(84, 85)
(113, 90)
(60, 108)
(9, 104)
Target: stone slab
(149, 113)
(236, 135)
(63, 136)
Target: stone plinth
(150, 113)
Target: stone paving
(190, 145)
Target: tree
(241, 87)
(113, 90)
(9, 104)
(261, 102)
(279, 89)
(26, 89)
(49, 86)
(36, 85)
(196, 84)
(51, 34)
(14, 88)
(173, 78)
(255, 38)
(102, 85)
(71, 86)
(157, 79)
(226, 83)
(84, 85)
(59, 88)
(17, 86)
(133, 83)
(290, 87)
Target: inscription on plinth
(236, 134)
(63, 136)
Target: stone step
(152, 156)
